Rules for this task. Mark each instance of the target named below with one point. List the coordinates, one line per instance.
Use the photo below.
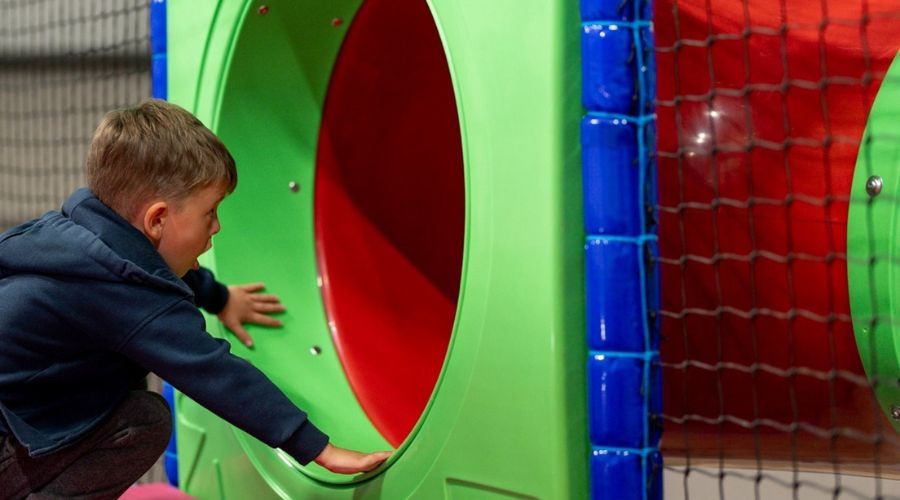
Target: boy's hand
(245, 305)
(343, 461)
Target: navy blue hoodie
(87, 308)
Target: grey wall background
(63, 65)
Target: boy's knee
(159, 409)
(155, 417)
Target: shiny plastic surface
(873, 249)
(390, 210)
(515, 359)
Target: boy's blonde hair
(155, 149)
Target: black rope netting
(63, 65)
(761, 111)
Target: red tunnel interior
(390, 210)
(756, 159)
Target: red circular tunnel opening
(390, 210)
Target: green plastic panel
(873, 247)
(507, 418)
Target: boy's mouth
(196, 264)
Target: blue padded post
(613, 295)
(618, 141)
(159, 84)
(171, 454)
(158, 49)
(609, 148)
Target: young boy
(91, 299)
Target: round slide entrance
(390, 210)
(352, 186)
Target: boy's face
(189, 228)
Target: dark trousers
(101, 465)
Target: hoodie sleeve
(208, 293)
(176, 346)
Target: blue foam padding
(616, 408)
(616, 10)
(171, 454)
(626, 469)
(158, 44)
(160, 79)
(613, 296)
(608, 68)
(609, 149)
(618, 139)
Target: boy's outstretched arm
(174, 345)
(343, 461)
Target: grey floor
(703, 483)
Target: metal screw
(895, 412)
(263, 10)
(315, 350)
(874, 185)
(337, 22)
(294, 187)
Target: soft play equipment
(409, 186)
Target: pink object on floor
(156, 491)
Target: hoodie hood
(86, 240)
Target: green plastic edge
(873, 248)
(523, 434)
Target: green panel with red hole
(409, 185)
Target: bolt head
(262, 10)
(895, 412)
(874, 185)
(294, 186)
(315, 350)
(337, 22)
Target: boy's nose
(216, 226)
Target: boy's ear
(155, 220)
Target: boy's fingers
(266, 307)
(262, 319)
(264, 297)
(376, 459)
(241, 334)
(252, 287)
